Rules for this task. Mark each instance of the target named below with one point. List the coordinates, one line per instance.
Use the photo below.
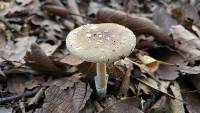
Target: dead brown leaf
(49, 49)
(186, 41)
(71, 60)
(161, 106)
(37, 60)
(137, 24)
(16, 51)
(160, 85)
(163, 19)
(129, 105)
(186, 14)
(70, 98)
(191, 99)
(55, 9)
(18, 84)
(170, 72)
(192, 103)
(176, 104)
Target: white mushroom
(101, 43)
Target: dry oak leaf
(71, 99)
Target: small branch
(19, 96)
(36, 98)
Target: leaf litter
(39, 75)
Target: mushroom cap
(106, 42)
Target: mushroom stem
(101, 80)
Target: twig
(36, 98)
(19, 96)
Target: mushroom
(101, 44)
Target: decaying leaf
(170, 72)
(192, 103)
(191, 99)
(18, 84)
(55, 9)
(49, 49)
(38, 60)
(161, 86)
(148, 63)
(176, 104)
(163, 19)
(126, 78)
(161, 106)
(18, 50)
(190, 70)
(186, 14)
(71, 60)
(68, 99)
(137, 24)
(129, 105)
(195, 80)
(74, 9)
(6, 110)
(93, 8)
(186, 41)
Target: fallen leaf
(72, 99)
(163, 19)
(71, 60)
(176, 104)
(138, 24)
(169, 72)
(109, 101)
(191, 99)
(17, 51)
(93, 8)
(129, 105)
(192, 103)
(161, 106)
(186, 41)
(37, 60)
(195, 70)
(74, 9)
(195, 80)
(51, 29)
(16, 84)
(161, 86)
(49, 49)
(26, 7)
(6, 110)
(55, 9)
(149, 64)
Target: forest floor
(39, 75)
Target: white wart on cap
(105, 42)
